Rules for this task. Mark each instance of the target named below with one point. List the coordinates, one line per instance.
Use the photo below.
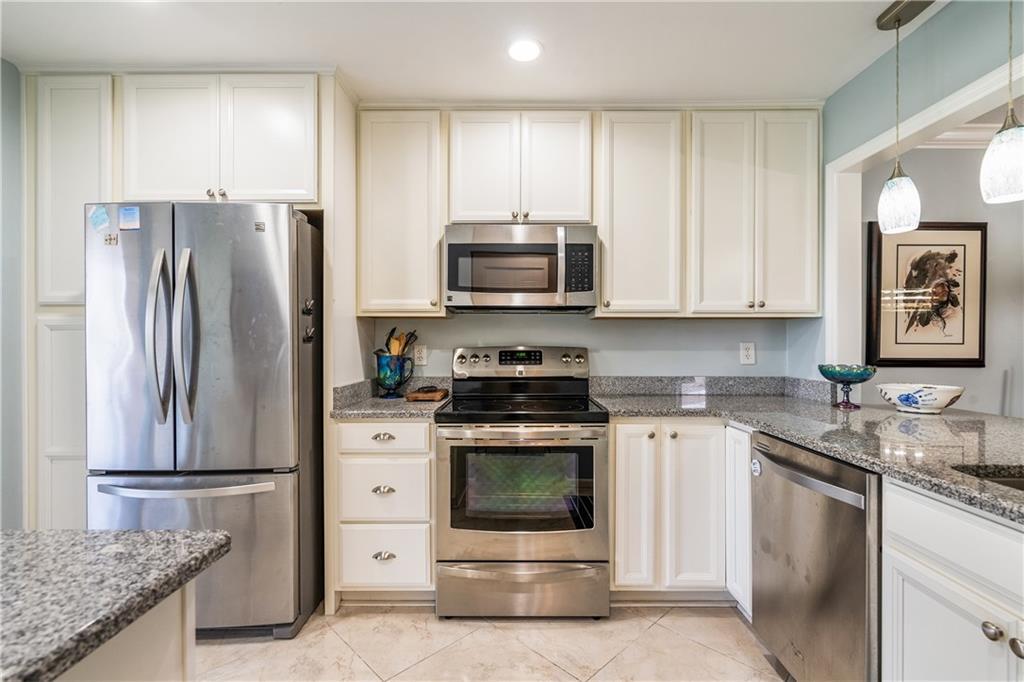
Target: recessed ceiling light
(524, 50)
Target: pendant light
(899, 205)
(1002, 168)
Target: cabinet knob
(1017, 647)
(760, 304)
(382, 436)
(433, 302)
(606, 303)
(384, 555)
(221, 192)
(382, 489)
(993, 631)
(750, 304)
(515, 214)
(209, 192)
(673, 435)
(651, 434)
(526, 215)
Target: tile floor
(410, 643)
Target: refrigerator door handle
(187, 493)
(186, 383)
(159, 276)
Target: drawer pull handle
(382, 489)
(1017, 647)
(382, 436)
(384, 556)
(992, 631)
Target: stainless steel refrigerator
(204, 394)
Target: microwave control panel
(579, 267)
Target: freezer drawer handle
(186, 387)
(159, 276)
(827, 489)
(186, 493)
(382, 436)
(382, 489)
(563, 573)
(384, 556)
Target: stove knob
(474, 358)
(580, 359)
(566, 358)
(461, 359)
(487, 358)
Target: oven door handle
(501, 572)
(483, 436)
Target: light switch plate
(419, 354)
(748, 353)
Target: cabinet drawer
(981, 551)
(384, 489)
(385, 436)
(409, 567)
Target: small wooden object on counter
(427, 394)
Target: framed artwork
(926, 296)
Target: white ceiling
(696, 52)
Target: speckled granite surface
(378, 408)
(921, 450)
(66, 592)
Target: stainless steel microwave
(520, 267)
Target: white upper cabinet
(556, 167)
(786, 213)
(485, 166)
(509, 166)
(400, 212)
(73, 129)
(722, 229)
(753, 237)
(246, 137)
(640, 221)
(171, 137)
(268, 137)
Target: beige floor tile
(651, 613)
(581, 646)
(390, 639)
(489, 654)
(661, 654)
(720, 629)
(317, 653)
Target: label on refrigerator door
(128, 217)
(98, 218)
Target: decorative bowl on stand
(845, 376)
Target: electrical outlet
(748, 353)
(419, 354)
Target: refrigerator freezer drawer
(257, 582)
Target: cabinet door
(485, 156)
(786, 212)
(641, 219)
(556, 168)
(636, 450)
(693, 505)
(400, 218)
(73, 125)
(738, 551)
(932, 627)
(721, 244)
(171, 137)
(268, 137)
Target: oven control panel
(520, 361)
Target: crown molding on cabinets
(695, 105)
(129, 69)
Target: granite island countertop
(920, 450)
(66, 592)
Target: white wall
(948, 183)
(617, 347)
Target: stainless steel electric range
(522, 504)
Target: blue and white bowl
(920, 398)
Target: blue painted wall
(962, 42)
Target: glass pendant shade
(899, 204)
(1002, 168)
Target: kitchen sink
(1017, 483)
(1010, 476)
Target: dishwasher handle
(813, 484)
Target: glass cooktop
(521, 410)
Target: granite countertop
(66, 592)
(917, 449)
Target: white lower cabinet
(384, 556)
(384, 489)
(669, 506)
(944, 616)
(738, 550)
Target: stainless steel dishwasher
(816, 530)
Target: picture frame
(926, 296)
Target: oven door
(515, 493)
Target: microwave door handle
(560, 293)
